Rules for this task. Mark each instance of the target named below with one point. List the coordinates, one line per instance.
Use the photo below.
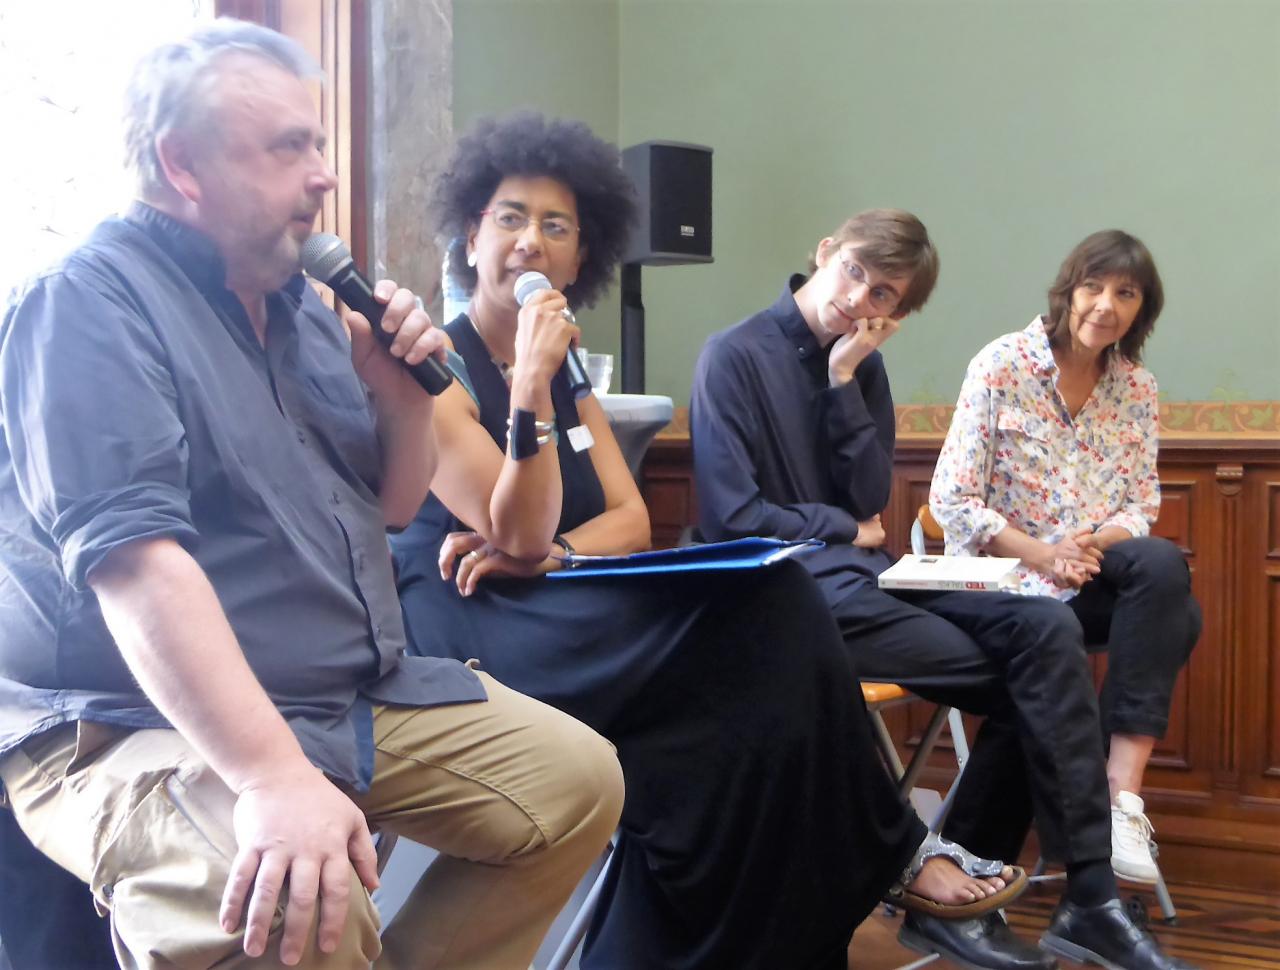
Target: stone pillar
(411, 133)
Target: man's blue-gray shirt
(137, 402)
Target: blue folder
(752, 553)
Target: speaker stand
(632, 331)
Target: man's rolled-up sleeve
(90, 414)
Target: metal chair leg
(927, 741)
(578, 928)
(1038, 874)
(1167, 910)
(958, 739)
(885, 743)
(955, 721)
(921, 962)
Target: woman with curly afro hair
(759, 827)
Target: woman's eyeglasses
(554, 229)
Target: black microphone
(326, 258)
(529, 284)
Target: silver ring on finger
(568, 315)
(475, 555)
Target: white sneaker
(1131, 840)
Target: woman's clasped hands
(1073, 560)
(472, 559)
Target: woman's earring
(471, 260)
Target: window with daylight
(63, 69)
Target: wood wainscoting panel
(1262, 639)
(1184, 760)
(666, 484)
(1270, 526)
(1174, 524)
(1270, 709)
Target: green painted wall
(1012, 127)
(559, 57)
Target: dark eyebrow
(549, 214)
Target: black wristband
(522, 434)
(563, 543)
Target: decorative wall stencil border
(1227, 417)
(1202, 417)
(1244, 418)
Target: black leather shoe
(1105, 935)
(984, 943)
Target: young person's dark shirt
(779, 452)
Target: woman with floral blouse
(1051, 458)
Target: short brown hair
(1111, 252)
(894, 242)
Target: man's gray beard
(277, 265)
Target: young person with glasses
(793, 436)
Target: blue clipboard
(751, 553)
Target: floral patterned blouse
(1015, 456)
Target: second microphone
(326, 258)
(530, 283)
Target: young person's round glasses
(883, 299)
(554, 229)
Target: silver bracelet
(545, 431)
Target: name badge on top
(580, 437)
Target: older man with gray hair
(204, 698)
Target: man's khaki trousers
(517, 797)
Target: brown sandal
(935, 845)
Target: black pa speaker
(673, 185)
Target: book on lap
(982, 573)
(752, 553)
